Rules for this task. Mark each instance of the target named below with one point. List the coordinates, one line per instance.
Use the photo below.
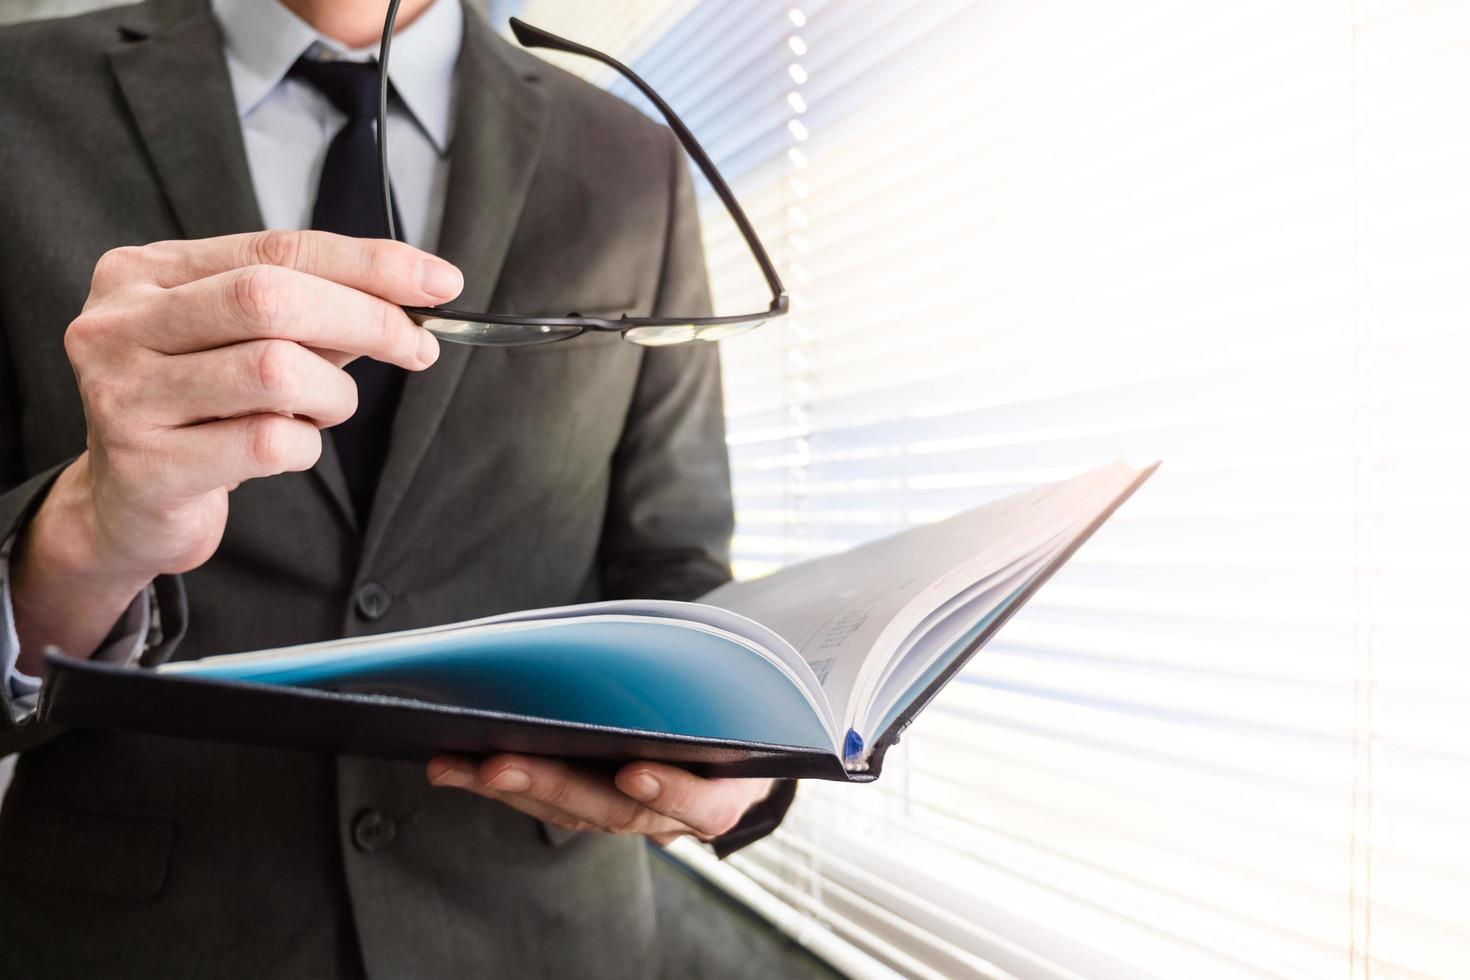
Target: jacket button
(373, 600)
(373, 830)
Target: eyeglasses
(505, 330)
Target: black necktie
(348, 203)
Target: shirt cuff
(124, 645)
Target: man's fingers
(710, 806)
(450, 771)
(542, 812)
(263, 302)
(196, 459)
(335, 357)
(580, 794)
(542, 786)
(658, 801)
(252, 378)
(392, 270)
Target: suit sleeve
(670, 512)
(667, 530)
(20, 494)
(124, 645)
(17, 729)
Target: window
(1024, 237)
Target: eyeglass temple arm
(535, 37)
(382, 134)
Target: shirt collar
(263, 39)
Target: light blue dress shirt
(288, 125)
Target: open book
(811, 671)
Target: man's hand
(201, 365)
(662, 803)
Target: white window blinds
(1025, 237)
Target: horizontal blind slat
(1023, 238)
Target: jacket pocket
(114, 853)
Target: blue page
(649, 675)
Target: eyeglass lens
(498, 334)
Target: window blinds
(1025, 237)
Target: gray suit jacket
(514, 479)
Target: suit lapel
(500, 122)
(173, 77)
(178, 90)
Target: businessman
(216, 438)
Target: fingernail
(440, 279)
(511, 780)
(643, 787)
(428, 348)
(451, 776)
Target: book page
(641, 673)
(835, 609)
(759, 637)
(946, 631)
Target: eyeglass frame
(534, 37)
